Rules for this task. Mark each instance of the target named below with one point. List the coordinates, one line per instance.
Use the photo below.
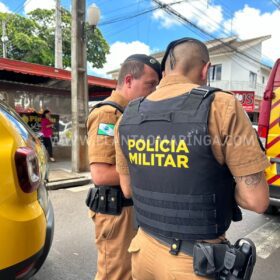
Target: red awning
(49, 72)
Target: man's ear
(204, 71)
(163, 74)
(128, 80)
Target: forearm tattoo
(250, 180)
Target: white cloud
(30, 5)
(4, 8)
(202, 13)
(250, 22)
(119, 51)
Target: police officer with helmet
(188, 156)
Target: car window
(16, 124)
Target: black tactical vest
(179, 189)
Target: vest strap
(135, 105)
(181, 213)
(196, 96)
(177, 229)
(110, 103)
(205, 91)
(103, 103)
(209, 199)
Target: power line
(224, 32)
(114, 33)
(276, 3)
(226, 9)
(216, 24)
(171, 11)
(123, 8)
(206, 35)
(119, 19)
(127, 17)
(19, 7)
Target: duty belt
(107, 200)
(221, 261)
(176, 245)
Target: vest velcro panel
(179, 189)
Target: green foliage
(32, 38)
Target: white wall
(236, 71)
(264, 72)
(236, 67)
(226, 65)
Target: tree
(32, 38)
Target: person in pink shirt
(47, 131)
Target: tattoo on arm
(251, 180)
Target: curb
(68, 183)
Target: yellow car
(26, 213)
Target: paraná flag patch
(106, 129)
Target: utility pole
(79, 88)
(4, 39)
(58, 36)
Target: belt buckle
(175, 247)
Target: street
(73, 255)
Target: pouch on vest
(92, 199)
(107, 200)
(102, 202)
(114, 202)
(110, 201)
(225, 261)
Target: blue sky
(152, 31)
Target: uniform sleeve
(243, 154)
(121, 162)
(101, 147)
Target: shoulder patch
(106, 129)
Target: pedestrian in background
(47, 131)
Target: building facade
(29, 87)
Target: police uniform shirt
(101, 122)
(228, 124)
(110, 230)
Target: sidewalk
(61, 176)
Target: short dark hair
(45, 112)
(197, 50)
(134, 68)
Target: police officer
(177, 153)
(139, 75)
